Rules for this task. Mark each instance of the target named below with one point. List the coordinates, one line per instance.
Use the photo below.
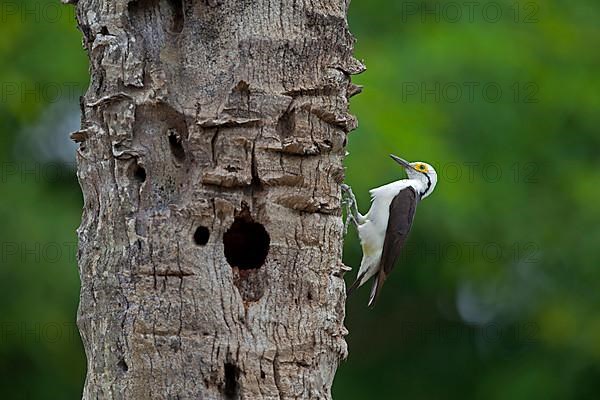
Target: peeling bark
(210, 159)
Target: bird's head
(421, 172)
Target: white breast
(372, 232)
(382, 197)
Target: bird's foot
(348, 198)
(350, 220)
(348, 201)
(346, 226)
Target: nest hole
(232, 384)
(201, 235)
(176, 146)
(123, 365)
(246, 243)
(177, 16)
(139, 173)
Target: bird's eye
(422, 167)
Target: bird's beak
(401, 161)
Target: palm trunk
(210, 159)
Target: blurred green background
(497, 293)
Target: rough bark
(213, 135)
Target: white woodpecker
(383, 230)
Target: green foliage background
(497, 295)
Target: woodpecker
(383, 230)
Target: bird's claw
(347, 195)
(346, 189)
(349, 201)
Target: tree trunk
(210, 159)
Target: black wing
(402, 212)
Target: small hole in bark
(262, 375)
(104, 31)
(201, 235)
(177, 21)
(176, 146)
(87, 32)
(139, 173)
(175, 346)
(122, 365)
(286, 123)
(246, 243)
(232, 385)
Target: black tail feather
(376, 288)
(354, 285)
